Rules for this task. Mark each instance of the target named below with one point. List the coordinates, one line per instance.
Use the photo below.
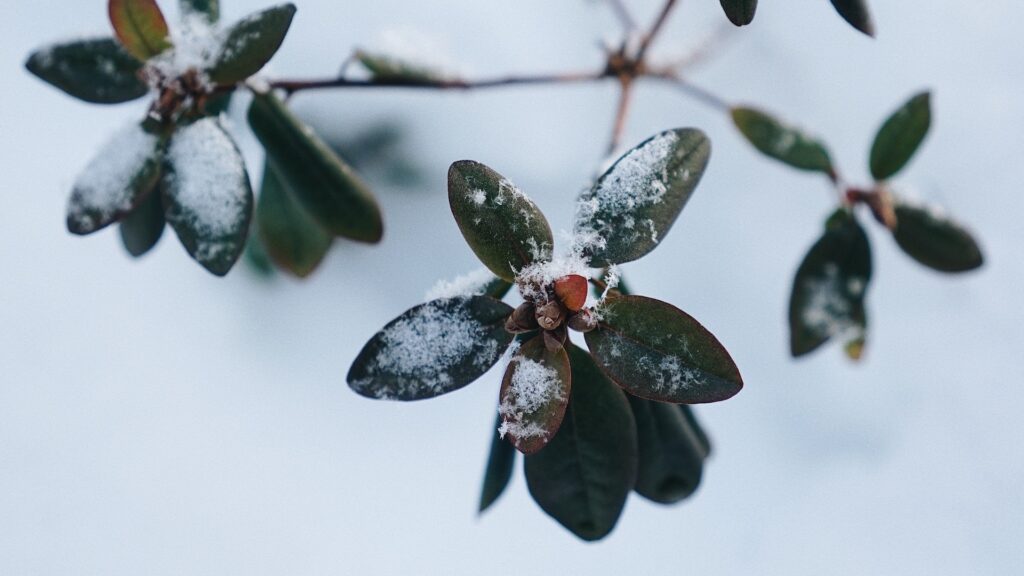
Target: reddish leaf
(534, 394)
(572, 291)
(140, 26)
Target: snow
(196, 45)
(105, 189)
(533, 387)
(828, 311)
(249, 25)
(471, 284)
(407, 47)
(534, 279)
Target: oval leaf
(534, 394)
(250, 44)
(209, 9)
(900, 137)
(500, 463)
(933, 239)
(329, 190)
(389, 69)
(140, 26)
(828, 292)
(142, 229)
(432, 349)
(502, 225)
(634, 204)
(116, 181)
(208, 200)
(656, 351)
(857, 14)
(291, 237)
(98, 70)
(740, 12)
(783, 142)
(671, 452)
(584, 475)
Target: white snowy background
(157, 420)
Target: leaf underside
(290, 236)
(500, 464)
(671, 450)
(141, 230)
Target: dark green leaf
(534, 394)
(142, 229)
(671, 456)
(255, 255)
(208, 200)
(497, 288)
(933, 239)
(116, 181)
(857, 14)
(322, 183)
(698, 430)
(634, 204)
(500, 464)
(388, 68)
(829, 288)
(656, 351)
(251, 43)
(98, 70)
(785, 143)
(583, 476)
(740, 12)
(210, 9)
(502, 225)
(432, 349)
(901, 135)
(292, 239)
(140, 26)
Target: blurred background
(155, 419)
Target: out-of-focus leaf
(432, 349)
(828, 292)
(933, 239)
(142, 229)
(140, 26)
(783, 142)
(671, 455)
(251, 43)
(388, 68)
(379, 151)
(656, 351)
(210, 9)
(292, 239)
(256, 257)
(98, 70)
(502, 225)
(634, 204)
(857, 14)
(208, 200)
(116, 181)
(534, 394)
(740, 12)
(500, 463)
(900, 136)
(322, 183)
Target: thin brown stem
(698, 93)
(292, 86)
(648, 38)
(623, 14)
(621, 114)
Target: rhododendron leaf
(251, 43)
(900, 136)
(935, 240)
(534, 394)
(783, 142)
(140, 27)
(100, 70)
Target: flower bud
(550, 315)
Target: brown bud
(572, 291)
(583, 321)
(550, 315)
(554, 340)
(523, 319)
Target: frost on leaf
(115, 181)
(432, 349)
(534, 394)
(196, 44)
(476, 283)
(93, 69)
(208, 198)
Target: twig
(648, 38)
(623, 14)
(704, 50)
(292, 86)
(621, 113)
(702, 95)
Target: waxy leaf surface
(98, 70)
(534, 394)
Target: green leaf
(671, 452)
(208, 200)
(98, 70)
(390, 69)
(256, 257)
(502, 225)
(698, 430)
(933, 239)
(432, 349)
(292, 239)
(314, 175)
(634, 204)
(656, 351)
(740, 12)
(500, 463)
(783, 142)
(828, 292)
(140, 26)
(142, 229)
(857, 14)
(116, 181)
(210, 9)
(584, 475)
(534, 394)
(900, 137)
(251, 43)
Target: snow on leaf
(532, 388)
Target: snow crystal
(534, 279)
(105, 189)
(472, 284)
(668, 374)
(478, 196)
(827, 311)
(196, 45)
(533, 387)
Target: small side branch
(621, 114)
(292, 86)
(659, 23)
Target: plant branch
(292, 86)
(645, 44)
(698, 93)
(623, 14)
(621, 113)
